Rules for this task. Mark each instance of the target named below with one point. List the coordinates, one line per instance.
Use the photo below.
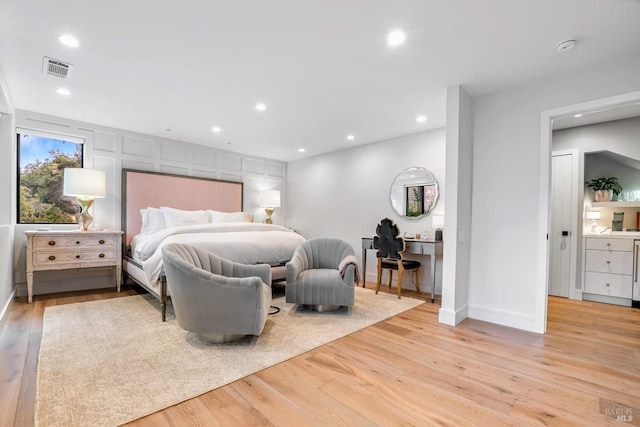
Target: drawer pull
(77, 242)
(608, 284)
(101, 242)
(608, 262)
(101, 255)
(78, 256)
(51, 257)
(52, 242)
(608, 244)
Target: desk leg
(433, 278)
(364, 265)
(30, 286)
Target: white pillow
(176, 217)
(152, 220)
(217, 216)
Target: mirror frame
(425, 189)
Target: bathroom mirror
(414, 193)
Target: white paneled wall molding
(110, 150)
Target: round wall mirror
(414, 193)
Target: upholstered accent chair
(390, 246)
(314, 278)
(215, 298)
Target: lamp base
(83, 218)
(269, 212)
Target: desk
(418, 247)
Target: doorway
(544, 216)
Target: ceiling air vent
(56, 68)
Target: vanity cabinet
(608, 269)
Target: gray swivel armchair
(215, 298)
(313, 275)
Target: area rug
(104, 363)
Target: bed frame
(141, 189)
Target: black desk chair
(390, 248)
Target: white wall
(506, 186)
(459, 164)
(7, 212)
(110, 150)
(618, 136)
(7, 204)
(345, 194)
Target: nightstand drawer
(47, 259)
(76, 241)
(614, 285)
(609, 262)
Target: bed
(161, 208)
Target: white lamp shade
(437, 221)
(270, 198)
(593, 215)
(81, 182)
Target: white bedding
(244, 242)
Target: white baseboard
(503, 317)
(576, 294)
(452, 318)
(626, 302)
(6, 308)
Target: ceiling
(322, 67)
(618, 112)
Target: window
(42, 158)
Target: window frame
(20, 131)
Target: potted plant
(605, 188)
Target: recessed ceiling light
(62, 91)
(68, 40)
(395, 38)
(421, 119)
(566, 45)
(216, 129)
(301, 150)
(577, 115)
(351, 137)
(260, 106)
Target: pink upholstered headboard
(141, 189)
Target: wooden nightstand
(59, 250)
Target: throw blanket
(348, 260)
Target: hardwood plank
(14, 343)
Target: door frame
(576, 233)
(542, 266)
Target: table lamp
(594, 216)
(85, 185)
(269, 199)
(437, 222)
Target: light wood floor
(407, 370)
